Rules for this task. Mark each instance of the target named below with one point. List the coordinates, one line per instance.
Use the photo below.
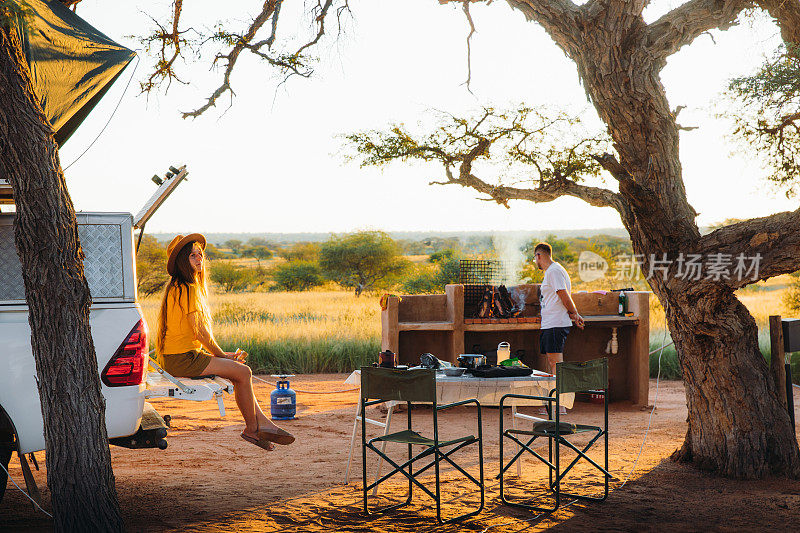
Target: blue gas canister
(283, 400)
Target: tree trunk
(737, 426)
(79, 471)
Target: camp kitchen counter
(416, 324)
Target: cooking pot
(471, 360)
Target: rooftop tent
(72, 64)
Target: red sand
(211, 480)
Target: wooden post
(455, 314)
(776, 365)
(639, 353)
(390, 330)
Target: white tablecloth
(488, 391)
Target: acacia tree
(79, 471)
(361, 260)
(737, 424)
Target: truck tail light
(127, 366)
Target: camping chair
(379, 385)
(570, 377)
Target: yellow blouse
(180, 336)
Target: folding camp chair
(385, 384)
(570, 377)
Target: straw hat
(177, 244)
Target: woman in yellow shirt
(184, 330)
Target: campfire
(486, 298)
(495, 304)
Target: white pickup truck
(119, 332)
(118, 329)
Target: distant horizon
(313, 236)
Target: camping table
(487, 391)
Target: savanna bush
(231, 277)
(297, 276)
(151, 266)
(791, 298)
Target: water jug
(503, 352)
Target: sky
(273, 160)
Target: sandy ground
(211, 480)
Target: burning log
(508, 308)
(487, 303)
(497, 303)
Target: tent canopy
(72, 64)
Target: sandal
(261, 443)
(276, 435)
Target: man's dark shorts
(551, 340)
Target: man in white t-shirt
(558, 309)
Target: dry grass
(762, 300)
(317, 331)
(282, 315)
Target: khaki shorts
(190, 364)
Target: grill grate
(477, 275)
(483, 272)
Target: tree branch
(631, 8)
(552, 143)
(231, 57)
(786, 121)
(775, 238)
(469, 45)
(787, 15)
(547, 191)
(638, 196)
(290, 63)
(164, 68)
(685, 23)
(557, 17)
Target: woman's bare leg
(241, 376)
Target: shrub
(432, 279)
(421, 283)
(561, 250)
(231, 277)
(442, 255)
(301, 251)
(235, 246)
(791, 298)
(151, 266)
(448, 272)
(258, 252)
(211, 252)
(297, 276)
